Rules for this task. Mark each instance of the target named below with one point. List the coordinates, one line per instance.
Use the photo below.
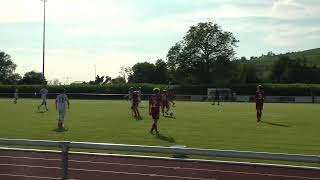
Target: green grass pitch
(287, 128)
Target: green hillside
(264, 63)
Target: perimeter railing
(65, 145)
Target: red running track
(18, 165)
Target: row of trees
(287, 70)
(205, 55)
(101, 80)
(8, 75)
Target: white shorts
(16, 96)
(44, 100)
(62, 112)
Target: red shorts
(259, 106)
(155, 113)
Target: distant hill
(264, 63)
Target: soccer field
(286, 128)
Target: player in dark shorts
(216, 97)
(154, 109)
(135, 104)
(165, 106)
(259, 102)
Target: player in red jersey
(135, 104)
(259, 102)
(170, 96)
(129, 95)
(165, 103)
(155, 102)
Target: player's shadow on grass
(60, 129)
(165, 138)
(138, 118)
(41, 112)
(170, 117)
(275, 124)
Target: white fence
(157, 149)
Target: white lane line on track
(30, 158)
(164, 158)
(114, 172)
(181, 168)
(25, 176)
(30, 166)
(139, 174)
(196, 169)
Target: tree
(287, 70)
(7, 68)
(280, 69)
(270, 53)
(55, 82)
(99, 80)
(193, 58)
(118, 80)
(243, 58)
(33, 77)
(161, 72)
(143, 73)
(107, 80)
(14, 78)
(126, 72)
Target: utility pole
(95, 72)
(44, 36)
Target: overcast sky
(115, 33)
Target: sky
(108, 34)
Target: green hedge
(243, 89)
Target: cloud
(292, 10)
(78, 65)
(279, 9)
(61, 11)
(289, 35)
(226, 11)
(111, 33)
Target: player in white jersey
(16, 96)
(61, 105)
(44, 93)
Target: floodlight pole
(44, 36)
